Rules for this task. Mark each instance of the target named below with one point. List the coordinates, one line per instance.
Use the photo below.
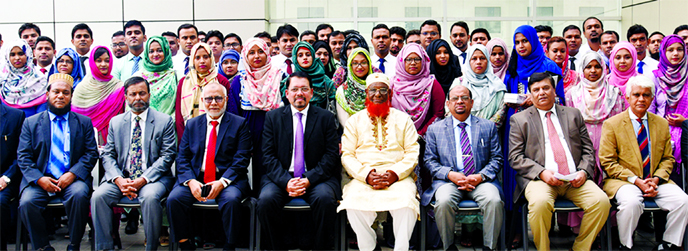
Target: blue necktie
(382, 65)
(640, 67)
(643, 143)
(59, 157)
(136, 65)
(135, 167)
(463, 55)
(186, 65)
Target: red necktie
(210, 155)
(557, 148)
(43, 70)
(288, 61)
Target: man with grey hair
(636, 153)
(141, 147)
(214, 154)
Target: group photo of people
(405, 127)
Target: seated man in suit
(463, 154)
(140, 150)
(545, 142)
(300, 152)
(636, 153)
(380, 151)
(10, 128)
(214, 151)
(57, 151)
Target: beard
(378, 110)
(59, 111)
(595, 39)
(140, 108)
(654, 56)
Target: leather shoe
(132, 226)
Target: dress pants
(6, 205)
(588, 196)
(362, 221)
(323, 203)
(669, 197)
(108, 194)
(179, 204)
(487, 195)
(34, 200)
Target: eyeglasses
(362, 64)
(302, 89)
(456, 98)
(121, 44)
(432, 33)
(382, 91)
(233, 45)
(65, 61)
(412, 60)
(209, 100)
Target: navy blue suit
(233, 154)
(33, 156)
(10, 128)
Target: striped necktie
(59, 157)
(135, 68)
(643, 143)
(466, 151)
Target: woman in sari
(443, 63)
(622, 62)
(229, 64)
(558, 52)
(65, 63)
(306, 61)
(351, 94)
(324, 53)
(499, 56)
(158, 71)
(22, 86)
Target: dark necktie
(299, 161)
(557, 147)
(135, 167)
(82, 61)
(135, 68)
(210, 155)
(186, 65)
(382, 65)
(572, 63)
(466, 151)
(643, 142)
(463, 55)
(59, 157)
(640, 66)
(288, 61)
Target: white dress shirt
(636, 128)
(294, 126)
(279, 61)
(650, 64)
(390, 63)
(142, 124)
(550, 163)
(86, 65)
(38, 68)
(178, 64)
(459, 53)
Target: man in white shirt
(638, 35)
(188, 37)
(287, 36)
(572, 34)
(593, 29)
(82, 39)
(381, 42)
(459, 38)
(44, 54)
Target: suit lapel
(627, 124)
(221, 132)
(311, 118)
(73, 131)
(449, 131)
(564, 123)
(537, 125)
(150, 128)
(289, 125)
(126, 143)
(475, 135)
(655, 154)
(44, 125)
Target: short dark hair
(539, 76)
(45, 39)
(636, 29)
(334, 34)
(27, 26)
(217, 34)
(481, 30)
(186, 26)
(118, 33)
(169, 34)
(287, 29)
(299, 74)
(396, 30)
(261, 34)
(432, 22)
(680, 28)
(545, 28)
(657, 33)
(202, 33)
(611, 32)
(234, 35)
(322, 27)
(598, 20)
(273, 39)
(82, 26)
(306, 33)
(135, 80)
(412, 32)
(379, 26)
(131, 23)
(99, 52)
(461, 24)
(570, 27)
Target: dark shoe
(132, 227)
(667, 246)
(187, 245)
(486, 248)
(452, 247)
(73, 247)
(228, 247)
(47, 248)
(622, 247)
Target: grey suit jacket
(159, 144)
(527, 144)
(441, 157)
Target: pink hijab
(412, 92)
(619, 78)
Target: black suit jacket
(232, 150)
(10, 129)
(321, 146)
(35, 141)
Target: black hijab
(353, 37)
(445, 75)
(330, 66)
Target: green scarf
(351, 95)
(323, 87)
(162, 78)
(148, 65)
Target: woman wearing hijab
(202, 71)
(499, 56)
(487, 89)
(64, 63)
(622, 62)
(307, 62)
(100, 96)
(158, 71)
(22, 86)
(229, 64)
(558, 52)
(351, 93)
(324, 53)
(416, 91)
(443, 63)
(351, 42)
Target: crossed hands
(548, 177)
(51, 185)
(381, 181)
(466, 183)
(297, 186)
(130, 187)
(648, 186)
(195, 187)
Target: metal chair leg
(524, 222)
(423, 227)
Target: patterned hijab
(351, 94)
(596, 99)
(162, 77)
(76, 74)
(321, 82)
(194, 82)
(260, 88)
(671, 77)
(22, 87)
(618, 78)
(484, 86)
(498, 42)
(445, 74)
(412, 92)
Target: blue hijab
(228, 54)
(521, 68)
(76, 70)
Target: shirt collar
(634, 117)
(219, 120)
(53, 115)
(143, 115)
(543, 113)
(468, 121)
(304, 112)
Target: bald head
(213, 87)
(215, 100)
